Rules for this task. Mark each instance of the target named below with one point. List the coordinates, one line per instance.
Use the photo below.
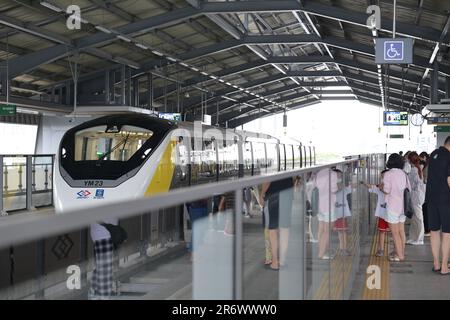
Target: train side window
(272, 157)
(283, 157)
(248, 158)
(259, 157)
(228, 159)
(208, 159)
(300, 160)
(305, 156)
(182, 159)
(289, 157)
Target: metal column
(107, 88)
(2, 209)
(238, 246)
(29, 182)
(447, 87)
(129, 93)
(136, 92)
(123, 96)
(150, 91)
(434, 84)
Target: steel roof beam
(30, 61)
(325, 11)
(237, 122)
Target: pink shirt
(395, 182)
(322, 182)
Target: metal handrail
(21, 229)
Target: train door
(228, 160)
(273, 157)
(259, 158)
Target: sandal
(379, 253)
(394, 259)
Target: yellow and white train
(128, 156)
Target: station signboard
(442, 129)
(8, 110)
(394, 51)
(170, 116)
(438, 120)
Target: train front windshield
(108, 144)
(108, 148)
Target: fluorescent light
(158, 53)
(123, 38)
(229, 84)
(236, 87)
(102, 29)
(184, 64)
(195, 69)
(213, 77)
(142, 46)
(204, 73)
(172, 59)
(221, 80)
(51, 6)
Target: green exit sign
(7, 110)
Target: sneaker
(410, 241)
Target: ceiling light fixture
(103, 29)
(51, 6)
(123, 38)
(142, 46)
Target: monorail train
(128, 156)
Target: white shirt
(380, 211)
(407, 167)
(99, 232)
(417, 187)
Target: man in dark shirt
(437, 198)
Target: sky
(345, 128)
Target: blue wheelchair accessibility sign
(393, 50)
(398, 51)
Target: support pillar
(122, 86)
(434, 84)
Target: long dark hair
(415, 161)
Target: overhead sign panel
(7, 110)
(395, 118)
(393, 51)
(438, 120)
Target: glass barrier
(293, 238)
(15, 190)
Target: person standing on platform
(394, 183)
(416, 231)
(425, 158)
(437, 197)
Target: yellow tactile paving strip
(384, 292)
(333, 283)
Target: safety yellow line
(383, 293)
(333, 283)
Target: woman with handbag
(394, 183)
